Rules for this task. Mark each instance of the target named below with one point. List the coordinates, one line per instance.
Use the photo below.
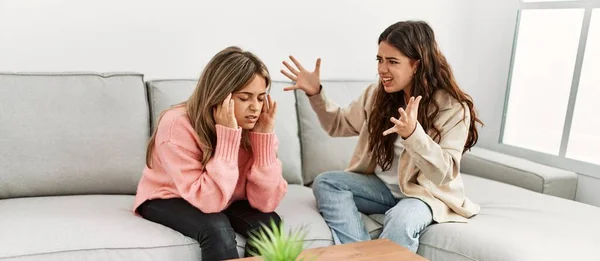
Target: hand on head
(266, 121)
(224, 113)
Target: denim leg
(341, 196)
(404, 222)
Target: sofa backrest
(320, 152)
(72, 133)
(165, 93)
(86, 133)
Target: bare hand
(406, 124)
(266, 120)
(309, 82)
(225, 114)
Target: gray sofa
(72, 148)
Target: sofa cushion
(298, 209)
(102, 227)
(89, 227)
(320, 152)
(515, 224)
(519, 172)
(71, 133)
(165, 93)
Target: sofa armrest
(519, 172)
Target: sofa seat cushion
(89, 227)
(102, 227)
(515, 224)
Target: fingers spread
(416, 105)
(291, 68)
(290, 76)
(318, 65)
(403, 114)
(389, 131)
(297, 63)
(398, 123)
(291, 88)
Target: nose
(382, 68)
(255, 106)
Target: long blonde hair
(228, 71)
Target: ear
(414, 64)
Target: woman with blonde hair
(211, 164)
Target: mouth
(251, 118)
(386, 80)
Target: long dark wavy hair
(416, 40)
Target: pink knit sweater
(231, 174)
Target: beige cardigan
(428, 170)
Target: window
(554, 83)
(584, 139)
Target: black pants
(214, 232)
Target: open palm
(406, 124)
(309, 82)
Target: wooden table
(380, 249)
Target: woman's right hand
(225, 114)
(309, 82)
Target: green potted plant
(272, 243)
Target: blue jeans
(341, 196)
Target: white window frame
(560, 161)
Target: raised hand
(225, 114)
(266, 120)
(406, 124)
(309, 82)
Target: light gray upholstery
(298, 209)
(83, 133)
(165, 93)
(72, 133)
(286, 127)
(102, 227)
(515, 224)
(93, 227)
(520, 172)
(320, 152)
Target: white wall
(175, 39)
(490, 46)
(491, 38)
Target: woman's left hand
(266, 120)
(406, 124)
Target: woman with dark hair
(413, 127)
